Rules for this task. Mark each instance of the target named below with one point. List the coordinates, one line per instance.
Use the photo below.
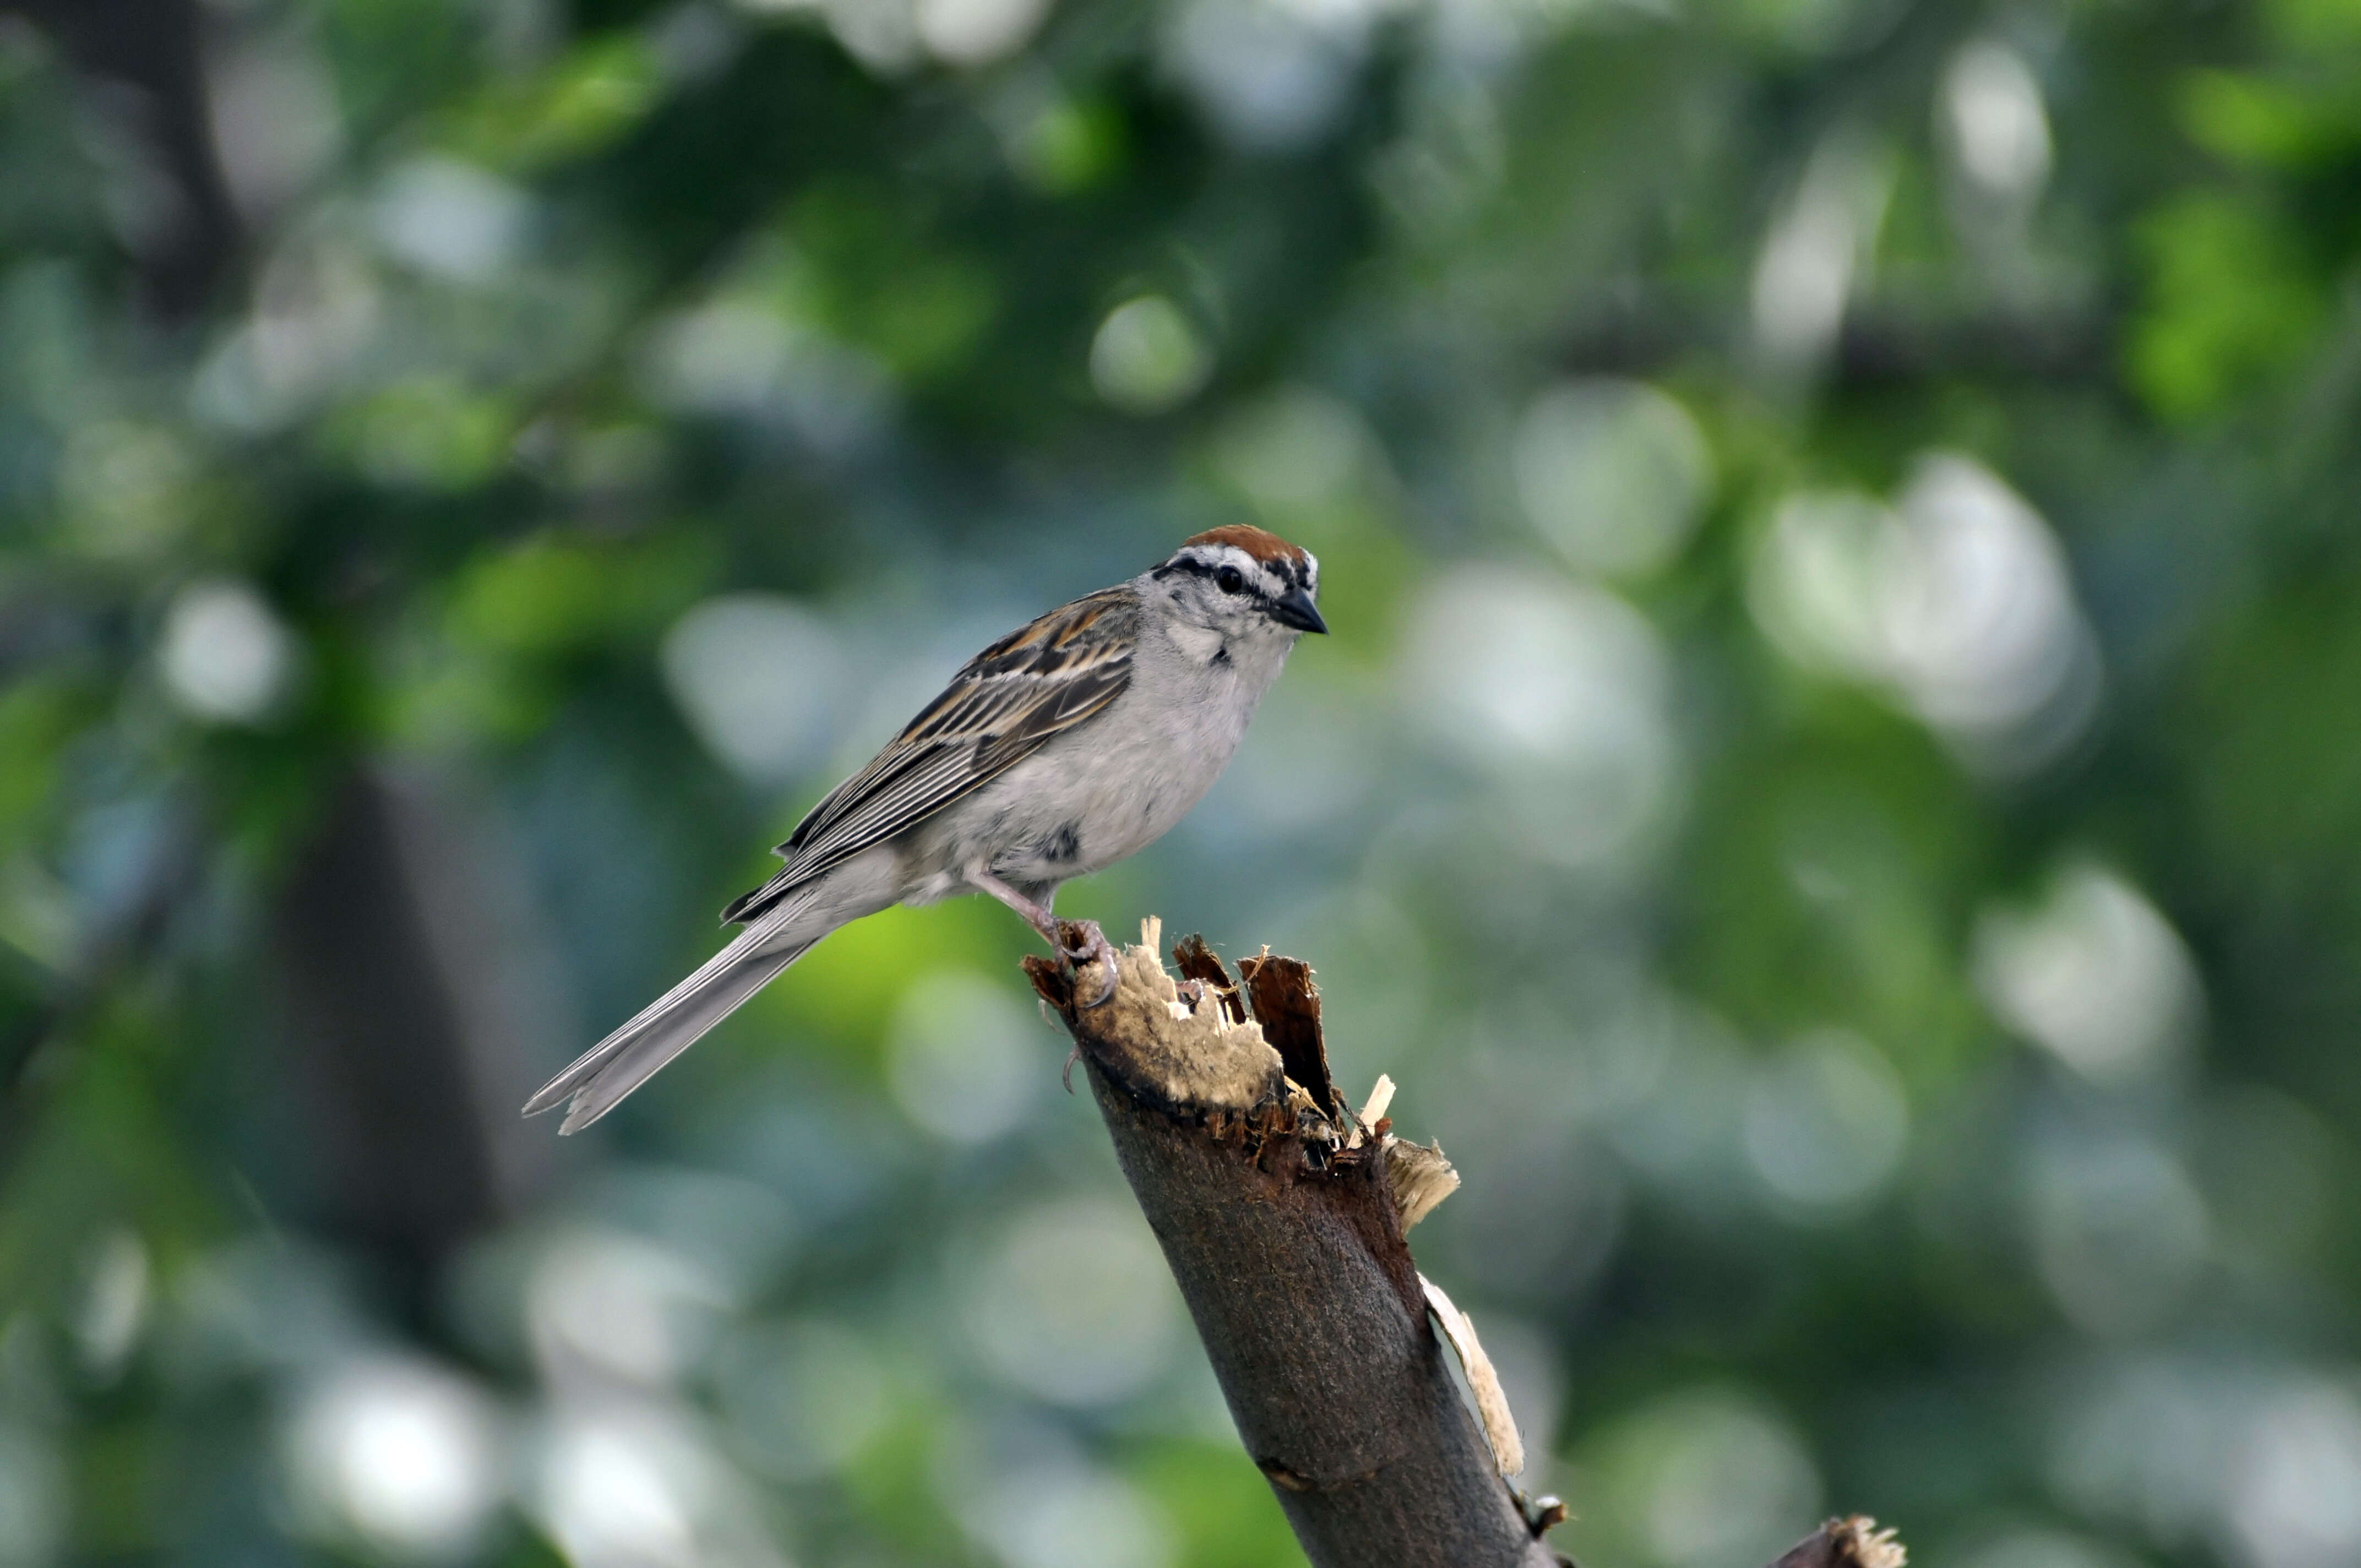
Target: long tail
(600, 1079)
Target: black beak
(1297, 610)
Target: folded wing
(1001, 707)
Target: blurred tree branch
(386, 944)
(405, 1059)
(1283, 1216)
(149, 54)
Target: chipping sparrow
(1060, 749)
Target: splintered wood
(1175, 1049)
(1193, 1045)
(1419, 1177)
(1853, 1541)
(1492, 1399)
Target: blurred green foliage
(1833, 789)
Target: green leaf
(2231, 303)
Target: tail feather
(597, 1081)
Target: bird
(1073, 742)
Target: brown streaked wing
(1001, 707)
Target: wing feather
(1003, 706)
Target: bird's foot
(1082, 944)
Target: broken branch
(1289, 1251)
(1283, 1216)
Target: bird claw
(1080, 943)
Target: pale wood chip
(1419, 1177)
(1491, 1400)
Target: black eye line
(1251, 583)
(1196, 567)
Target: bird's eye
(1230, 580)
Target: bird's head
(1241, 581)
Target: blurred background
(1835, 789)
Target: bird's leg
(1038, 915)
(1091, 947)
